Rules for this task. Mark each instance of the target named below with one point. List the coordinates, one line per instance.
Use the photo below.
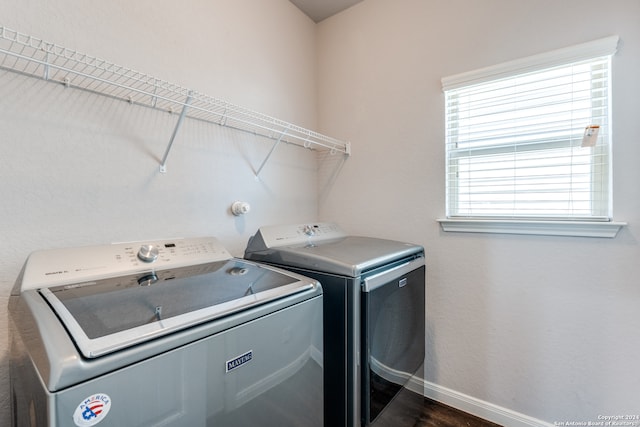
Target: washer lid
(106, 315)
(347, 256)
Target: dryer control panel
(297, 234)
(71, 265)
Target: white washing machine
(163, 333)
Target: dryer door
(393, 334)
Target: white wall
(80, 169)
(547, 327)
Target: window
(530, 139)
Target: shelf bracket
(183, 113)
(46, 63)
(273, 148)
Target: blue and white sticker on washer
(92, 410)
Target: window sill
(541, 228)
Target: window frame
(591, 227)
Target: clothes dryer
(374, 315)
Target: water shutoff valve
(240, 208)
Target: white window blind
(530, 139)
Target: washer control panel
(296, 234)
(72, 265)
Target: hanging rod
(33, 57)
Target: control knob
(148, 253)
(308, 230)
(148, 280)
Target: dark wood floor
(414, 410)
(436, 414)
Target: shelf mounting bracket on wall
(273, 148)
(183, 113)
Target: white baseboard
(471, 405)
(479, 408)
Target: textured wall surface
(544, 326)
(81, 169)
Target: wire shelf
(31, 56)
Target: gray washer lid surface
(111, 314)
(349, 256)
